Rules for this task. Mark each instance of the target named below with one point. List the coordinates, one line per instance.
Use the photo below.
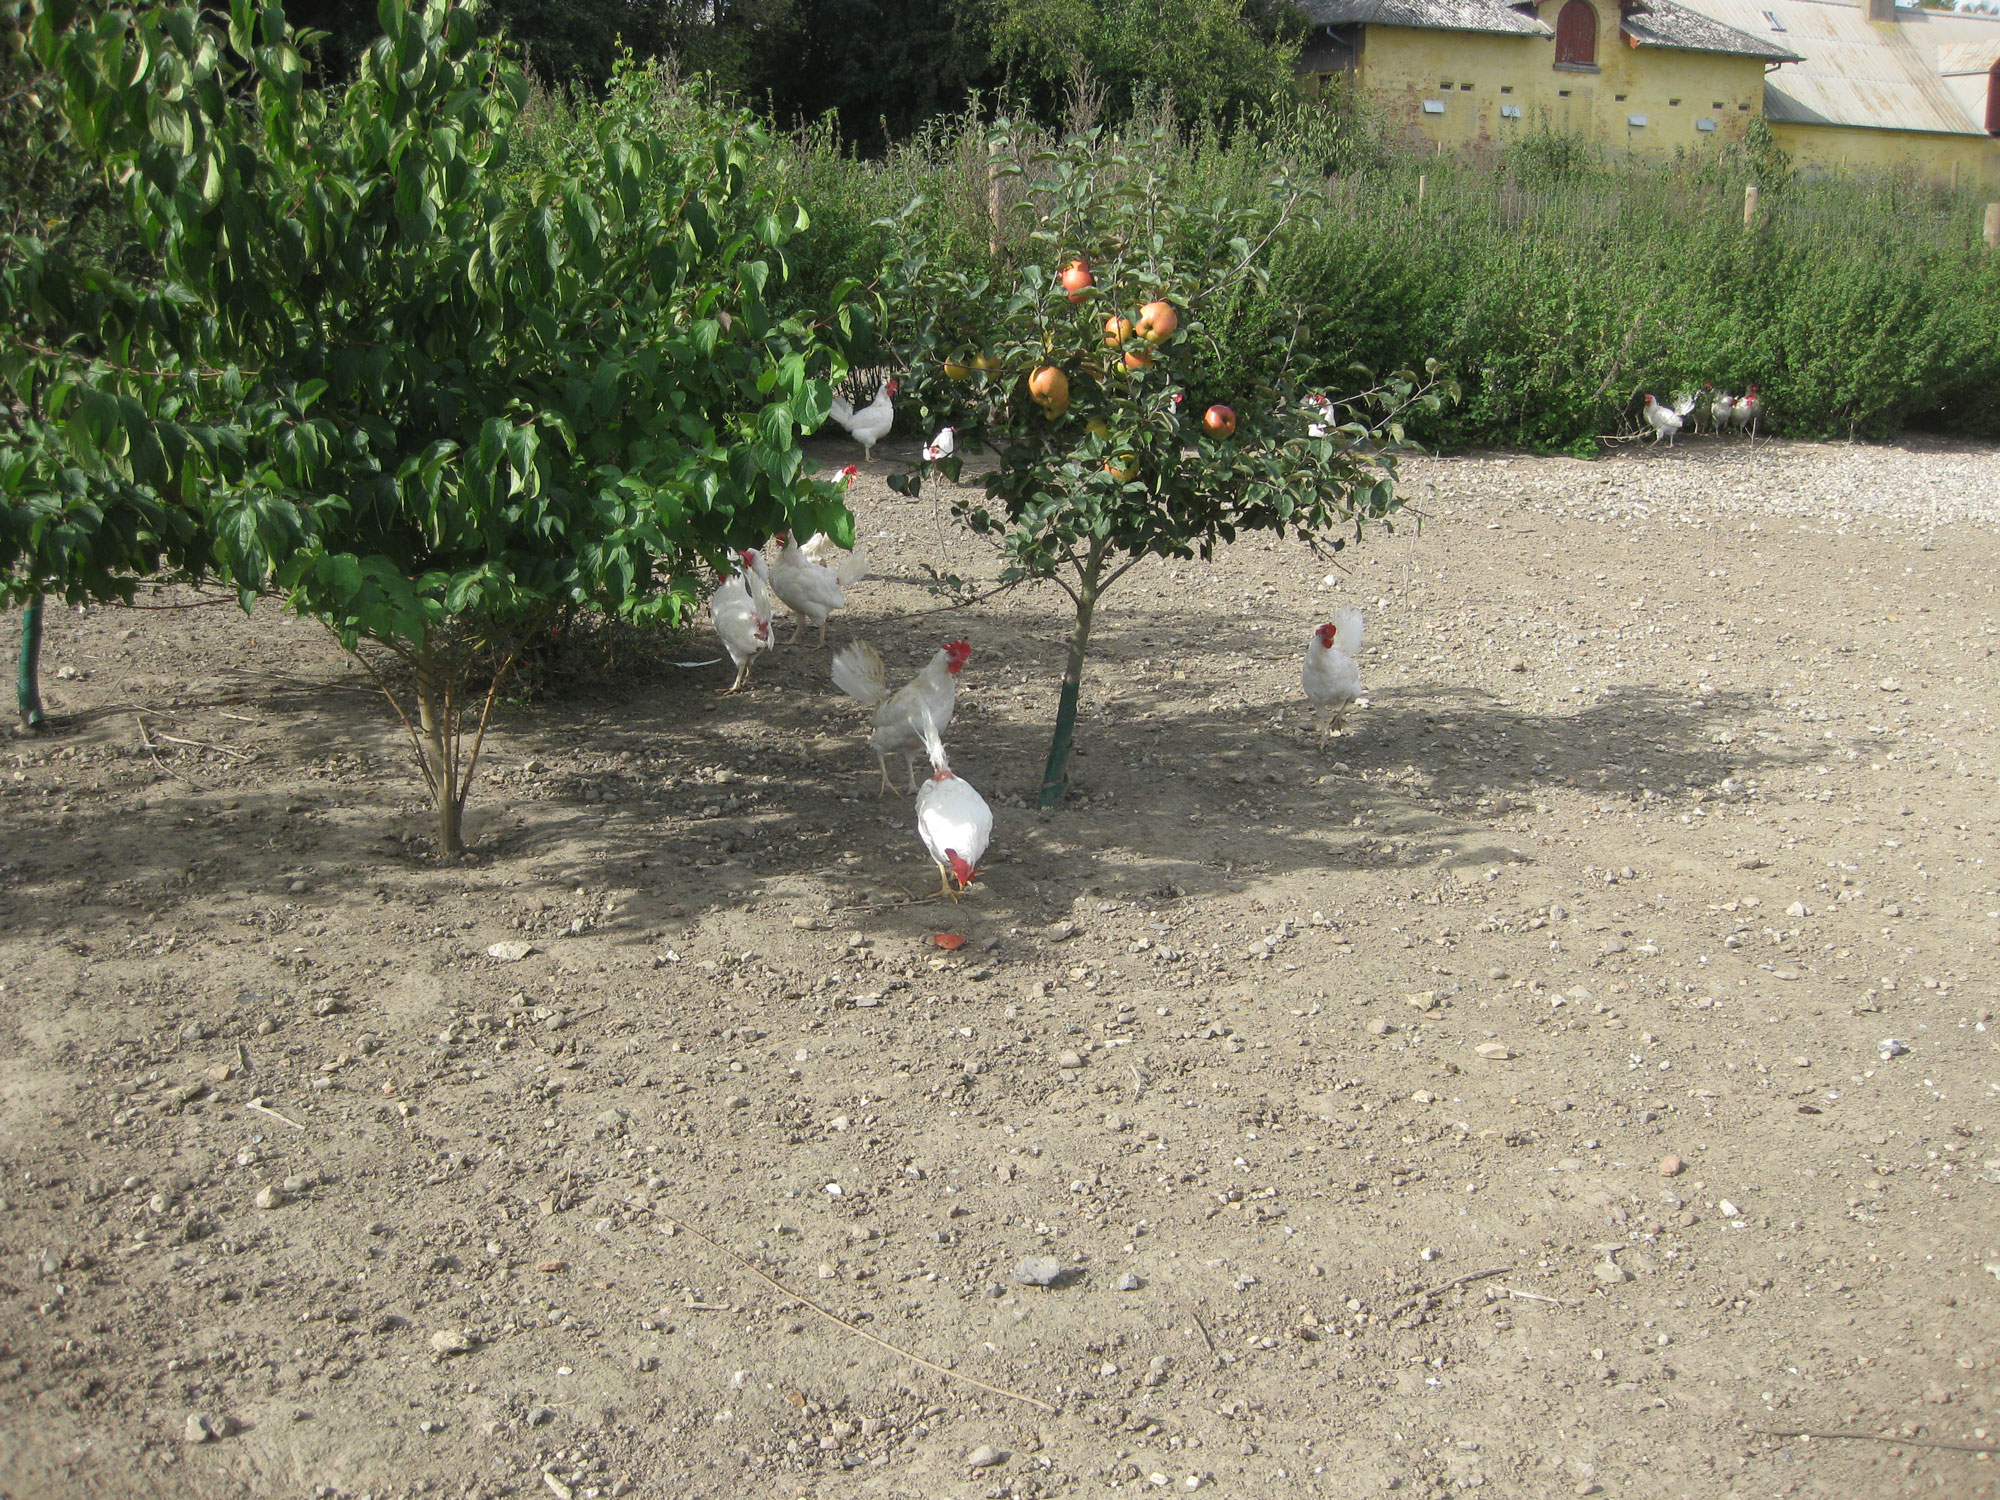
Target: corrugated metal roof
(1969, 57)
(1438, 15)
(1875, 76)
(1661, 23)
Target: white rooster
(1747, 411)
(927, 698)
(871, 423)
(1321, 408)
(742, 624)
(812, 590)
(1722, 411)
(1331, 676)
(942, 446)
(953, 820)
(1666, 421)
(822, 549)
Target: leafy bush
(427, 398)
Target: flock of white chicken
(810, 580)
(1722, 411)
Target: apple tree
(1075, 361)
(450, 391)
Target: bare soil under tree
(1357, 1066)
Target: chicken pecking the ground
(743, 627)
(927, 698)
(1332, 676)
(1667, 421)
(953, 820)
(812, 590)
(869, 425)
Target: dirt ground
(1343, 1084)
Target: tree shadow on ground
(688, 799)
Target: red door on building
(1576, 35)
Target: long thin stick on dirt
(154, 755)
(264, 1109)
(172, 739)
(834, 1317)
(1878, 1437)
(1202, 1329)
(1439, 1291)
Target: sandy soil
(1339, 1082)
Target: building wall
(1403, 67)
(1974, 159)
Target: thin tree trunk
(28, 684)
(434, 711)
(1054, 776)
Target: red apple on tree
(1220, 421)
(1076, 279)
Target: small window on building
(1776, 24)
(1510, 111)
(1716, 105)
(1562, 93)
(1465, 88)
(1506, 88)
(1673, 104)
(1993, 100)
(1743, 106)
(1434, 106)
(1704, 124)
(1619, 97)
(1635, 120)
(1576, 34)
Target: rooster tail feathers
(933, 743)
(1684, 404)
(1347, 631)
(852, 568)
(859, 673)
(843, 409)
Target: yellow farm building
(1869, 85)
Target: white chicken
(1323, 409)
(1747, 411)
(1331, 676)
(812, 590)
(927, 698)
(871, 423)
(1721, 410)
(743, 627)
(942, 446)
(953, 820)
(1666, 421)
(852, 566)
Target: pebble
(1672, 1166)
(1060, 932)
(201, 1428)
(1728, 1210)
(450, 1341)
(1610, 1272)
(1069, 1060)
(510, 953)
(1496, 1051)
(1889, 1047)
(1423, 1096)
(985, 1456)
(1379, 1027)
(540, 1416)
(1131, 1281)
(1422, 1000)
(270, 1197)
(1038, 1270)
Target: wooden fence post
(1993, 226)
(1750, 196)
(1423, 182)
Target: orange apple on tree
(1076, 279)
(1219, 421)
(1157, 321)
(1116, 331)
(1049, 388)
